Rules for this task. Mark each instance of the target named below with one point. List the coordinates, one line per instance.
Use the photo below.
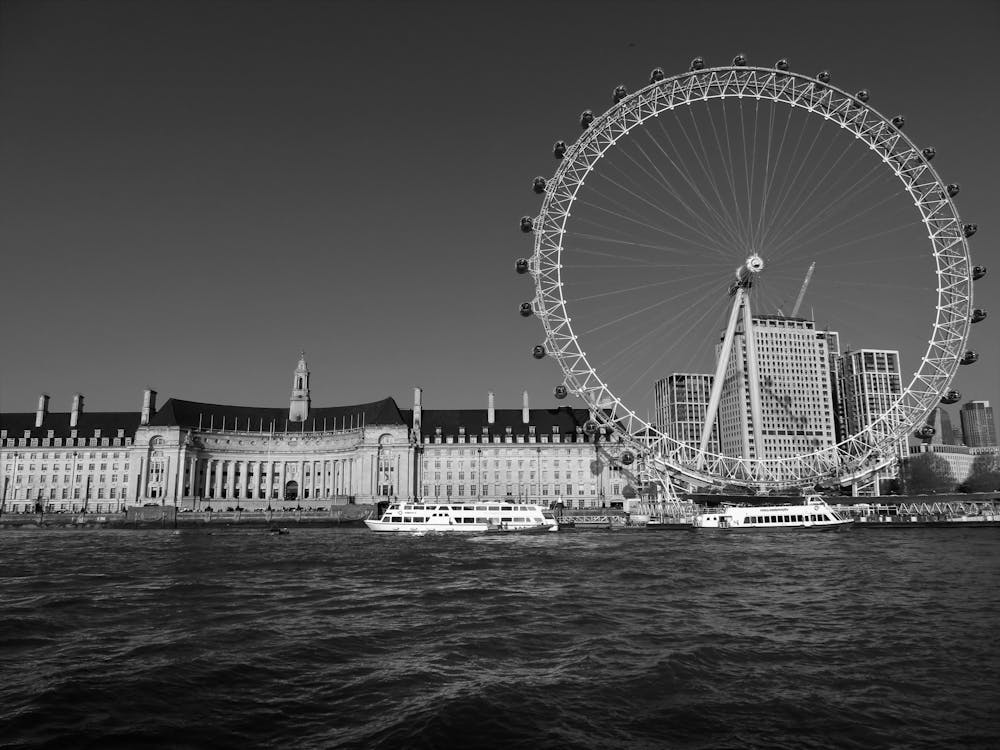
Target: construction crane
(802, 291)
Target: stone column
(323, 464)
(192, 477)
(283, 474)
(219, 466)
(231, 479)
(143, 476)
(245, 479)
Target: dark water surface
(344, 638)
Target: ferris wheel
(678, 239)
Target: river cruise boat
(416, 517)
(812, 515)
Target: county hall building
(199, 455)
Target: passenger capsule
(782, 64)
(978, 315)
(586, 117)
(538, 351)
(925, 432)
(656, 74)
(559, 149)
(951, 397)
(969, 229)
(590, 427)
(526, 309)
(823, 76)
(619, 93)
(627, 458)
(538, 185)
(929, 153)
(863, 95)
(560, 391)
(978, 272)
(954, 189)
(521, 266)
(697, 64)
(968, 358)
(740, 60)
(527, 224)
(898, 122)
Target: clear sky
(193, 192)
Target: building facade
(797, 414)
(210, 456)
(870, 383)
(978, 426)
(681, 405)
(960, 458)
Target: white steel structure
(741, 231)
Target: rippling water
(344, 638)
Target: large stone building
(201, 455)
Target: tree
(927, 473)
(985, 475)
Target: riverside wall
(168, 517)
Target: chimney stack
(148, 405)
(43, 409)
(525, 417)
(491, 412)
(417, 412)
(74, 415)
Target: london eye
(689, 229)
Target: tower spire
(298, 408)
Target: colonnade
(265, 479)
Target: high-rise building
(797, 414)
(839, 409)
(681, 403)
(870, 383)
(978, 427)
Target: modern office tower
(797, 413)
(681, 402)
(870, 382)
(839, 411)
(978, 427)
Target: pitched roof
(566, 418)
(195, 414)
(108, 422)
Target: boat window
(546, 515)
(506, 507)
(396, 519)
(482, 520)
(506, 518)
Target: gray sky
(191, 193)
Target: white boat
(813, 515)
(480, 518)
